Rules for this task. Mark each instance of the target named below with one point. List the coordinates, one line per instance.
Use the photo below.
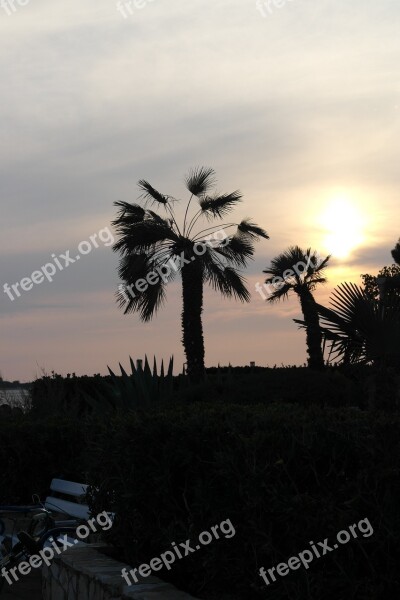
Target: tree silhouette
(151, 245)
(396, 253)
(286, 267)
(386, 285)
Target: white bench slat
(68, 487)
(80, 511)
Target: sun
(343, 225)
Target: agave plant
(150, 243)
(142, 388)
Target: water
(13, 397)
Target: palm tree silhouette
(285, 267)
(359, 330)
(151, 244)
(363, 330)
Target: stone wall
(83, 573)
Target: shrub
(333, 387)
(283, 474)
(62, 396)
(83, 396)
(33, 452)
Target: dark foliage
(32, 452)
(282, 474)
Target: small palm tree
(285, 268)
(362, 330)
(359, 330)
(152, 244)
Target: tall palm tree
(286, 268)
(152, 244)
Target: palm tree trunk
(313, 330)
(192, 327)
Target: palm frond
(200, 180)
(323, 264)
(152, 300)
(143, 236)
(352, 325)
(219, 206)
(251, 229)
(151, 215)
(224, 279)
(150, 192)
(285, 261)
(133, 268)
(279, 293)
(316, 280)
(350, 302)
(238, 250)
(128, 214)
(311, 272)
(235, 282)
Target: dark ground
(28, 588)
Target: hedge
(282, 474)
(33, 452)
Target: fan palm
(151, 243)
(365, 330)
(360, 329)
(285, 268)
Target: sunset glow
(343, 224)
(292, 103)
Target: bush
(246, 385)
(283, 475)
(33, 452)
(62, 396)
(81, 396)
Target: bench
(67, 498)
(65, 502)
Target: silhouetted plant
(142, 388)
(396, 253)
(303, 284)
(386, 284)
(149, 242)
(359, 329)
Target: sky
(296, 103)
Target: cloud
(286, 108)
